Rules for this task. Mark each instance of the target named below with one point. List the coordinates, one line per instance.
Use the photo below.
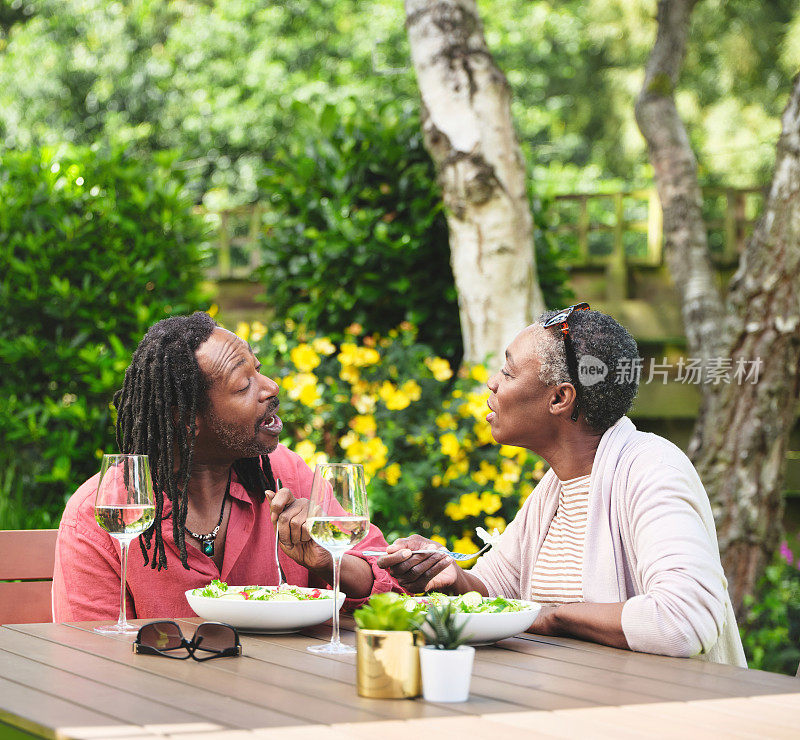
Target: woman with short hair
(617, 541)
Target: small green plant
(390, 611)
(446, 635)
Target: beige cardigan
(650, 542)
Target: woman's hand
(545, 622)
(419, 573)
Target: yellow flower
(490, 502)
(450, 445)
(392, 474)
(363, 403)
(411, 389)
(355, 329)
(456, 470)
(393, 397)
(446, 421)
(355, 356)
(349, 439)
(483, 433)
(213, 310)
(349, 374)
(465, 544)
(375, 452)
(438, 538)
(485, 473)
(509, 451)
(475, 406)
(495, 522)
(305, 448)
(305, 359)
(324, 346)
(510, 470)
(439, 367)
(243, 330)
(524, 493)
(257, 331)
(436, 481)
(479, 373)
(503, 487)
(453, 511)
(364, 424)
(303, 387)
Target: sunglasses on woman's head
(165, 638)
(561, 320)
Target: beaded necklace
(207, 540)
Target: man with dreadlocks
(193, 399)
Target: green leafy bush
(771, 629)
(95, 246)
(356, 231)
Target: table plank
(40, 713)
(708, 717)
(246, 679)
(740, 682)
(694, 665)
(94, 687)
(145, 684)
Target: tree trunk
(739, 441)
(742, 444)
(466, 122)
(675, 168)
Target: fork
(281, 579)
(455, 555)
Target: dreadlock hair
(163, 391)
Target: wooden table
(66, 681)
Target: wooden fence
(611, 230)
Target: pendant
(208, 548)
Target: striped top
(558, 570)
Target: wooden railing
(601, 228)
(612, 230)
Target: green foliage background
(217, 80)
(95, 246)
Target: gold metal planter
(387, 664)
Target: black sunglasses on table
(561, 320)
(165, 638)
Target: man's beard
(237, 439)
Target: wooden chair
(26, 575)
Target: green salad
(221, 590)
(473, 603)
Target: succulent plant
(446, 634)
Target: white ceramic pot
(446, 673)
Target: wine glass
(338, 518)
(124, 507)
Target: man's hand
(294, 537)
(419, 573)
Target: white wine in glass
(338, 519)
(124, 507)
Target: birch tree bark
(467, 127)
(741, 446)
(740, 438)
(675, 169)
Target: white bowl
(484, 628)
(265, 616)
